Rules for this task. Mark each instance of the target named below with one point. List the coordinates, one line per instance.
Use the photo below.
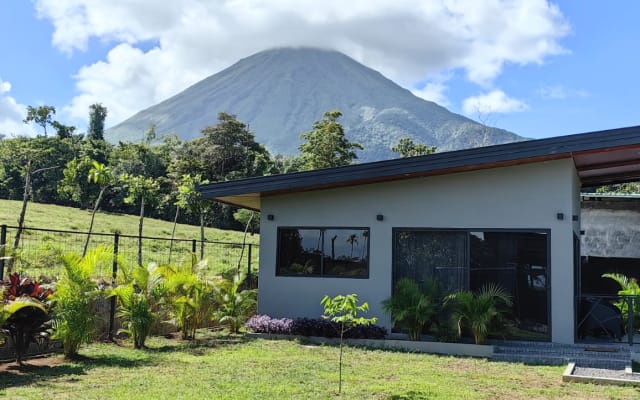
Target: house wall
(520, 197)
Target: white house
(508, 214)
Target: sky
(533, 67)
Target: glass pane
(299, 252)
(431, 255)
(346, 252)
(517, 261)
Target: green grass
(264, 369)
(37, 246)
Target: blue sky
(533, 67)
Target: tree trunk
(93, 215)
(23, 211)
(173, 232)
(244, 240)
(140, 231)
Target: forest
(155, 174)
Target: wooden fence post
(114, 274)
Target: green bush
(74, 316)
(413, 306)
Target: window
(463, 259)
(328, 252)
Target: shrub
(74, 316)
(311, 327)
(235, 306)
(413, 306)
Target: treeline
(158, 176)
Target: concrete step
(538, 359)
(605, 355)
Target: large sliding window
(326, 252)
(463, 259)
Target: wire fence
(36, 253)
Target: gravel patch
(606, 373)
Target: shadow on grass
(197, 346)
(43, 369)
(28, 374)
(410, 396)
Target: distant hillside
(281, 92)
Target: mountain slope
(281, 92)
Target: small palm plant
(412, 305)
(191, 298)
(478, 310)
(235, 306)
(629, 288)
(74, 316)
(138, 297)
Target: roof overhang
(601, 158)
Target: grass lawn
(262, 369)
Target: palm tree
(101, 175)
(412, 305)
(630, 289)
(352, 240)
(478, 310)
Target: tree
(344, 311)
(326, 145)
(97, 116)
(42, 115)
(100, 175)
(63, 131)
(407, 148)
(191, 200)
(140, 190)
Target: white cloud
(433, 91)
(495, 101)
(560, 92)
(407, 40)
(12, 114)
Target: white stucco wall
(526, 197)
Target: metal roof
(602, 157)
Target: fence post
(3, 242)
(249, 264)
(630, 323)
(193, 246)
(114, 273)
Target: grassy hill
(67, 218)
(37, 246)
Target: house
(508, 214)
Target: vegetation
(287, 370)
(139, 295)
(23, 313)
(413, 306)
(407, 148)
(73, 299)
(628, 287)
(477, 311)
(235, 306)
(344, 311)
(326, 145)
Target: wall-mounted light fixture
(560, 216)
(270, 217)
(380, 217)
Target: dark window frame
(322, 229)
